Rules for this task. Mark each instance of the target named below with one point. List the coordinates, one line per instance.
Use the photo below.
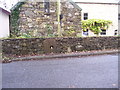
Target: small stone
(39, 11)
(20, 15)
(68, 22)
(38, 19)
(52, 11)
(30, 25)
(76, 13)
(25, 5)
(29, 20)
(29, 13)
(6, 61)
(69, 14)
(55, 22)
(79, 47)
(69, 50)
(62, 24)
(114, 84)
(30, 6)
(70, 6)
(68, 27)
(43, 25)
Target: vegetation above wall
(30, 20)
(14, 20)
(95, 25)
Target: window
(85, 16)
(47, 6)
(119, 16)
(103, 32)
(85, 32)
(115, 32)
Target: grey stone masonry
(38, 46)
(34, 19)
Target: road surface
(80, 72)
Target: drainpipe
(58, 14)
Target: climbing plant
(70, 32)
(95, 25)
(49, 30)
(14, 17)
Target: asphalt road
(80, 72)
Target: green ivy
(14, 17)
(95, 25)
(49, 30)
(70, 32)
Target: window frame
(85, 16)
(86, 33)
(103, 33)
(118, 16)
(116, 32)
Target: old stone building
(41, 18)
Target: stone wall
(35, 46)
(33, 19)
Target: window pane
(116, 32)
(85, 32)
(85, 16)
(103, 32)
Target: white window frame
(85, 16)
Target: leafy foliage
(25, 36)
(70, 32)
(95, 25)
(49, 30)
(14, 24)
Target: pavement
(99, 71)
(65, 55)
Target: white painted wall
(4, 25)
(102, 11)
